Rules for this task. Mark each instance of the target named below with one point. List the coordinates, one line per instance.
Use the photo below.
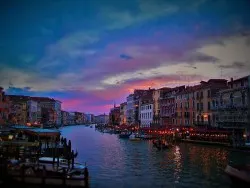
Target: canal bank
(116, 162)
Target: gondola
(160, 145)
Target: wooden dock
(42, 178)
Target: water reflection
(177, 162)
(122, 163)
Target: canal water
(115, 162)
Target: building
(71, 118)
(157, 105)
(203, 95)
(49, 105)
(114, 115)
(89, 118)
(146, 110)
(102, 119)
(169, 107)
(32, 112)
(64, 115)
(79, 118)
(19, 112)
(130, 109)
(48, 116)
(231, 106)
(4, 108)
(123, 109)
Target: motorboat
(124, 135)
(134, 137)
(239, 174)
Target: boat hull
(124, 136)
(238, 175)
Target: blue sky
(89, 54)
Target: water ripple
(114, 162)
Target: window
(201, 94)
(243, 98)
(208, 93)
(231, 99)
(242, 83)
(198, 106)
(208, 105)
(201, 106)
(193, 104)
(176, 105)
(181, 105)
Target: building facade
(114, 115)
(4, 108)
(157, 100)
(102, 119)
(231, 106)
(18, 109)
(89, 118)
(130, 109)
(123, 110)
(64, 115)
(146, 113)
(204, 95)
(169, 106)
(79, 118)
(32, 111)
(48, 105)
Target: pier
(39, 157)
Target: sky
(92, 53)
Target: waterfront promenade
(115, 162)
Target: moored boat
(161, 145)
(124, 135)
(239, 174)
(62, 162)
(134, 137)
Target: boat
(124, 135)
(24, 174)
(134, 137)
(62, 162)
(146, 136)
(160, 145)
(239, 174)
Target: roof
(18, 97)
(239, 79)
(43, 99)
(21, 127)
(35, 129)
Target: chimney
(231, 85)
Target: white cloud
(234, 49)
